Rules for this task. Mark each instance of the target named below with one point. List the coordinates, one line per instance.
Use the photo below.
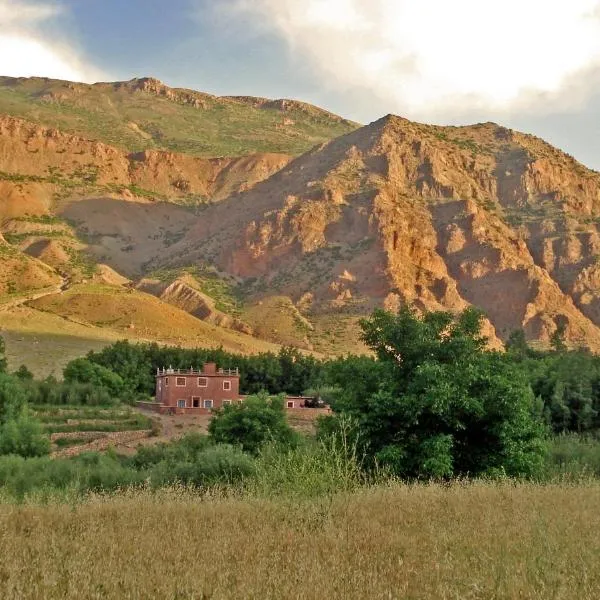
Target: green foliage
(222, 127)
(3, 362)
(23, 436)
(289, 371)
(13, 398)
(50, 391)
(557, 339)
(572, 456)
(252, 423)
(83, 370)
(23, 373)
(19, 432)
(192, 461)
(441, 404)
(311, 469)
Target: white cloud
(26, 50)
(441, 57)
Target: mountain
(145, 114)
(258, 219)
(443, 217)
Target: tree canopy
(441, 404)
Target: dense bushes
(82, 370)
(194, 460)
(19, 433)
(23, 436)
(258, 420)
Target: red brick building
(196, 391)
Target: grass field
(46, 353)
(427, 541)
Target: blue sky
(529, 64)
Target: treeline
(565, 383)
(135, 365)
(430, 401)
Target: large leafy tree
(83, 370)
(443, 405)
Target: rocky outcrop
(183, 295)
(442, 217)
(31, 154)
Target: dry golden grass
(136, 314)
(461, 541)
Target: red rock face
(440, 217)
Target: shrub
(23, 436)
(252, 423)
(82, 370)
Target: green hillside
(146, 114)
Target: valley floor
(477, 540)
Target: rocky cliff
(442, 217)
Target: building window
(208, 404)
(290, 404)
(181, 403)
(226, 401)
(202, 382)
(166, 382)
(195, 402)
(180, 381)
(227, 385)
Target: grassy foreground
(426, 541)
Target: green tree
(517, 345)
(3, 362)
(23, 436)
(24, 374)
(444, 405)
(82, 370)
(19, 432)
(252, 423)
(557, 339)
(13, 398)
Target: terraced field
(76, 429)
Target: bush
(252, 423)
(23, 373)
(311, 469)
(81, 370)
(23, 436)
(573, 457)
(215, 465)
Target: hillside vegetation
(445, 470)
(145, 114)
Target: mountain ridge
(305, 243)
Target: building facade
(200, 391)
(196, 391)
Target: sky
(533, 65)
